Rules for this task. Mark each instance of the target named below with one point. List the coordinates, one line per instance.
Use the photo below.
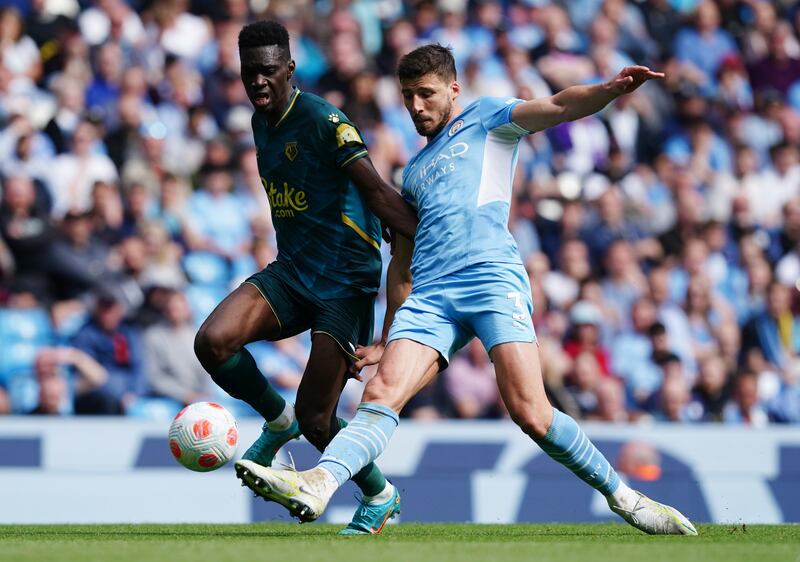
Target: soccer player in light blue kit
(468, 281)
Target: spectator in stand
(674, 401)
(18, 52)
(624, 282)
(74, 173)
(611, 405)
(172, 369)
(787, 238)
(785, 406)
(71, 102)
(632, 351)
(780, 184)
(712, 389)
(734, 92)
(219, 222)
(706, 311)
(26, 151)
(582, 383)
(26, 231)
(556, 235)
(775, 332)
(107, 213)
(787, 270)
(347, 61)
(759, 276)
(115, 345)
(58, 370)
(704, 46)
(745, 407)
(672, 316)
(103, 92)
(584, 335)
(779, 69)
(79, 254)
(111, 20)
(470, 382)
(129, 274)
(122, 136)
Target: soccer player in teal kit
(468, 281)
(326, 200)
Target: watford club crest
(290, 150)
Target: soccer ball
(203, 436)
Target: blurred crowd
(662, 235)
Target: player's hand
(369, 355)
(631, 77)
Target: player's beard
(440, 125)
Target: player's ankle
(624, 496)
(327, 482)
(381, 497)
(284, 420)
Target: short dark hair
(656, 329)
(428, 59)
(264, 33)
(664, 357)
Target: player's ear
(455, 89)
(291, 66)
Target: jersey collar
(289, 105)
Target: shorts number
(517, 298)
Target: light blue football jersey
(460, 184)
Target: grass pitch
(267, 542)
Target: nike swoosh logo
(389, 513)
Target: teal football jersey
(322, 223)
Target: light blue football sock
(566, 443)
(361, 442)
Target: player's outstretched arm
(381, 199)
(576, 102)
(398, 287)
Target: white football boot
(305, 494)
(652, 517)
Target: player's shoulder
(496, 102)
(321, 108)
(496, 115)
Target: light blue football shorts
(489, 300)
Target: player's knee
(213, 345)
(533, 424)
(315, 427)
(380, 391)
